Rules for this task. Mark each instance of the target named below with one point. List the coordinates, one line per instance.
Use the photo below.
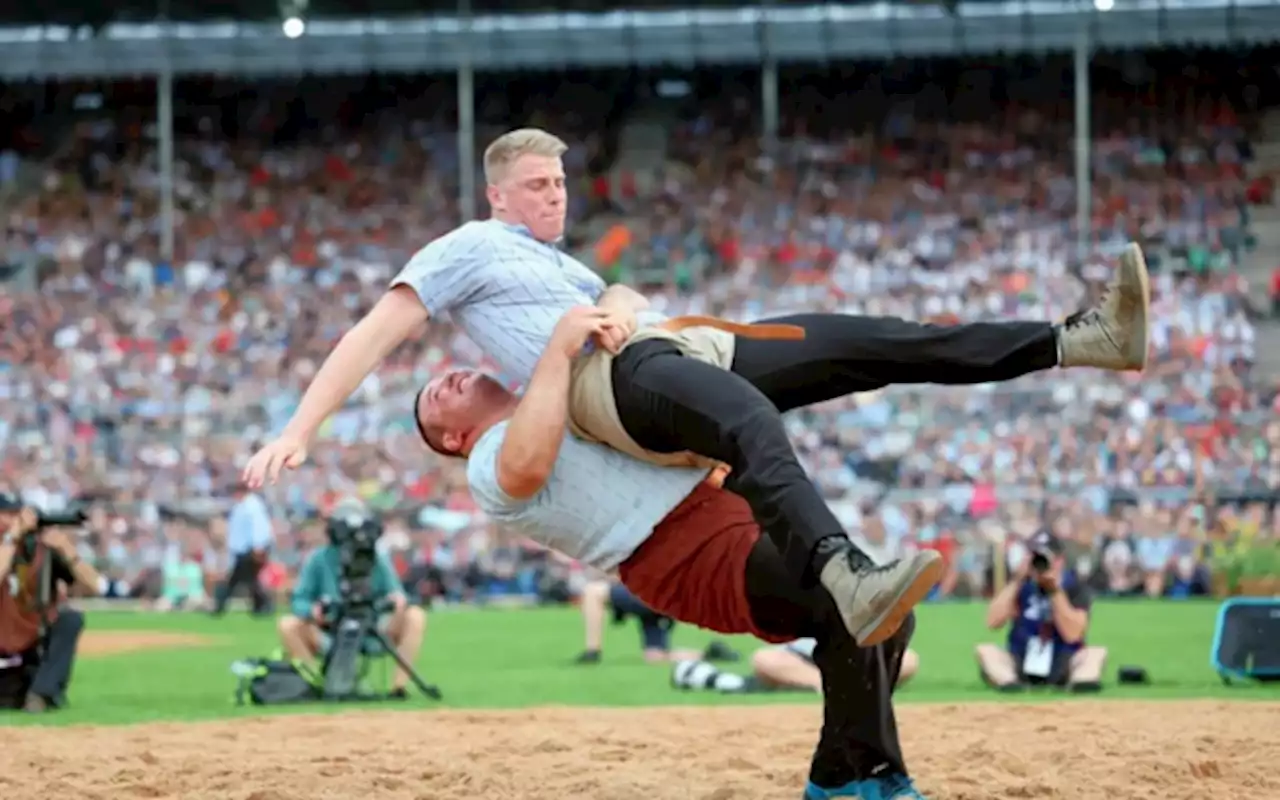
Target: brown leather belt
(746, 330)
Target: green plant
(1260, 560)
(1227, 565)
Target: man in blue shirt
(249, 539)
(305, 631)
(1047, 610)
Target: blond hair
(504, 150)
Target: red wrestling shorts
(694, 566)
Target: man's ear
(452, 442)
(494, 196)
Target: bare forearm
(1069, 620)
(1002, 605)
(536, 429)
(87, 578)
(358, 353)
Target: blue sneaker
(886, 787)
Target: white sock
(695, 675)
(728, 682)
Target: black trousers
(859, 730)
(53, 672)
(244, 572)
(669, 403)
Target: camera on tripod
(354, 536)
(352, 617)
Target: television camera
(354, 534)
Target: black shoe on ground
(588, 657)
(721, 652)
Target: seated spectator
(183, 584)
(784, 667)
(1047, 610)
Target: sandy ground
(1075, 751)
(106, 643)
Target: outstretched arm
(390, 322)
(445, 274)
(532, 441)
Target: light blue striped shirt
(598, 506)
(249, 526)
(503, 288)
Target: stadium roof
(88, 12)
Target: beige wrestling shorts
(593, 412)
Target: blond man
(695, 390)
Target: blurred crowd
(933, 192)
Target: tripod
(357, 623)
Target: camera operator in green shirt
(306, 632)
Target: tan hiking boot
(873, 601)
(1114, 334)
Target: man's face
(532, 193)
(457, 401)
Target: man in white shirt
(685, 547)
(694, 387)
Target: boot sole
(928, 571)
(1139, 347)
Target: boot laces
(1093, 314)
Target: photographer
(1047, 610)
(318, 600)
(37, 637)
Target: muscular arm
(536, 429)
(533, 436)
(397, 315)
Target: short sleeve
(307, 590)
(482, 475)
(449, 272)
(1079, 596)
(389, 579)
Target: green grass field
(507, 658)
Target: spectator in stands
(182, 583)
(122, 364)
(1047, 611)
